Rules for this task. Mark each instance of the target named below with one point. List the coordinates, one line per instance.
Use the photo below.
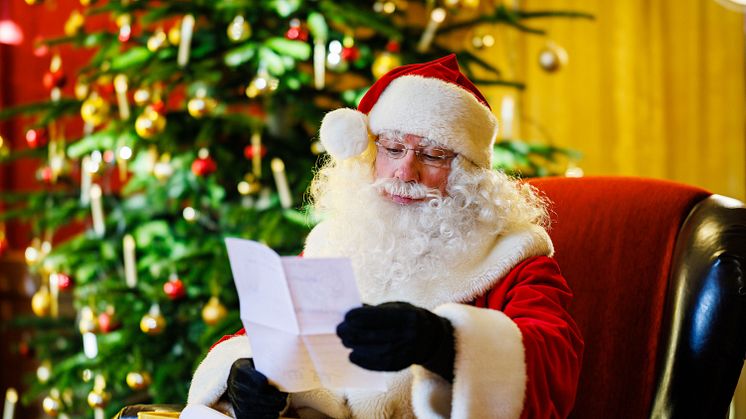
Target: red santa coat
(518, 351)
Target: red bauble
(25, 350)
(203, 167)
(297, 33)
(393, 46)
(54, 79)
(64, 282)
(248, 151)
(36, 137)
(159, 107)
(350, 54)
(174, 288)
(4, 245)
(46, 174)
(107, 322)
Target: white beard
(395, 249)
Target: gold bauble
(201, 106)
(239, 29)
(214, 311)
(552, 58)
(34, 2)
(51, 405)
(249, 187)
(41, 302)
(174, 34)
(98, 399)
(153, 323)
(74, 23)
(157, 40)
(141, 96)
(150, 123)
(138, 380)
(94, 110)
(4, 148)
(385, 63)
(81, 90)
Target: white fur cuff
(489, 371)
(210, 380)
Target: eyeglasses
(431, 156)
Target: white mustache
(411, 190)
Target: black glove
(251, 395)
(393, 336)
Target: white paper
(200, 411)
(290, 307)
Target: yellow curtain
(651, 88)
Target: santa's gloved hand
(251, 395)
(393, 336)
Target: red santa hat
(433, 100)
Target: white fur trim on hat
(440, 111)
(344, 133)
(489, 371)
(210, 380)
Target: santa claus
(465, 307)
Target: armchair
(657, 272)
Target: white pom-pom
(344, 133)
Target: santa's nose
(408, 169)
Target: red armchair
(657, 269)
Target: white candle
(54, 288)
(120, 86)
(185, 43)
(256, 158)
(130, 267)
(437, 16)
(11, 398)
(278, 169)
(97, 210)
(90, 345)
(85, 181)
(319, 63)
(98, 413)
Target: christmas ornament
(138, 380)
(239, 29)
(52, 79)
(81, 89)
(296, 32)
(41, 302)
(437, 16)
(107, 322)
(552, 58)
(153, 323)
(278, 170)
(174, 288)
(190, 215)
(150, 123)
(384, 63)
(34, 2)
(36, 137)
(25, 350)
(249, 185)
(250, 151)
(125, 27)
(185, 41)
(350, 52)
(94, 110)
(174, 34)
(204, 165)
(141, 96)
(213, 312)
(201, 105)
(98, 398)
(157, 40)
(163, 169)
(97, 210)
(88, 323)
(130, 264)
(44, 371)
(63, 281)
(74, 23)
(32, 252)
(262, 83)
(4, 245)
(52, 404)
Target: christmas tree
(199, 123)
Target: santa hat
(433, 100)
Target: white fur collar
(466, 281)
